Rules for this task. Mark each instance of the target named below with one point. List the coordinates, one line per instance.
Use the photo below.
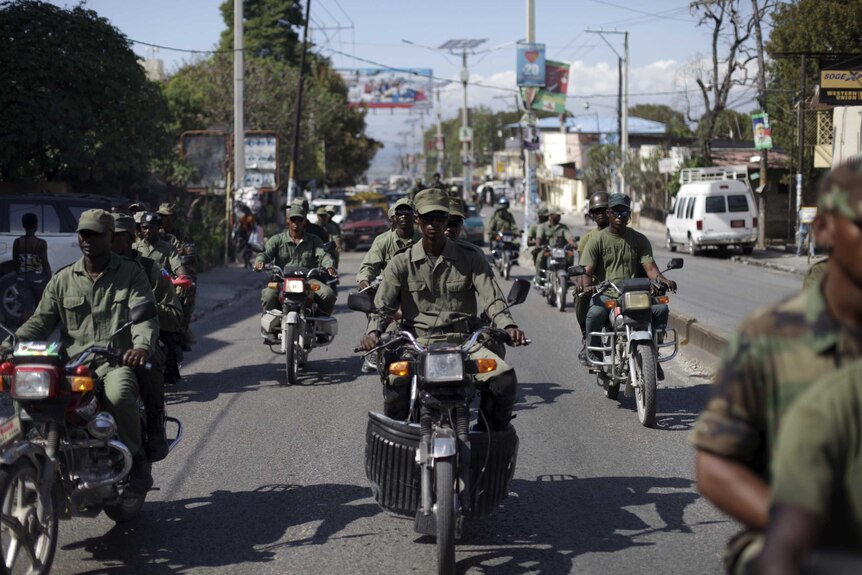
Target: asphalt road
(270, 479)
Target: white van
(338, 206)
(714, 208)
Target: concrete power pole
(440, 149)
(624, 145)
(761, 100)
(465, 147)
(238, 72)
(530, 183)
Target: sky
(664, 40)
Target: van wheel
(747, 250)
(11, 308)
(692, 247)
(669, 243)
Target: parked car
(362, 225)
(58, 215)
(474, 226)
(339, 206)
(711, 212)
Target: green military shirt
(280, 250)
(382, 249)
(170, 308)
(617, 257)
(163, 253)
(334, 230)
(443, 294)
(501, 221)
(554, 236)
(815, 273)
(776, 354)
(88, 311)
(582, 245)
(817, 464)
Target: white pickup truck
(58, 215)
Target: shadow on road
(227, 528)
(546, 523)
(679, 407)
(535, 395)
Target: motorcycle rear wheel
(19, 490)
(444, 510)
(290, 360)
(551, 288)
(645, 394)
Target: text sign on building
(531, 65)
(841, 81)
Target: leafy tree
(674, 120)
(270, 28)
(728, 124)
(76, 104)
(600, 171)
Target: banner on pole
(762, 131)
(552, 98)
(531, 65)
(388, 88)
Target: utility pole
(800, 144)
(439, 144)
(238, 125)
(465, 123)
(761, 100)
(291, 183)
(530, 184)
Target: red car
(362, 225)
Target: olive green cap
(138, 216)
(166, 209)
(296, 211)
(456, 207)
(431, 200)
(543, 211)
(555, 210)
(125, 223)
(322, 211)
(98, 221)
(300, 203)
(403, 202)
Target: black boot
(140, 477)
(157, 441)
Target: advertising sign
(841, 81)
(465, 134)
(762, 131)
(261, 161)
(388, 88)
(531, 65)
(207, 153)
(807, 214)
(552, 98)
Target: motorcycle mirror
(577, 270)
(143, 312)
(360, 302)
(577, 239)
(255, 247)
(518, 293)
(675, 264)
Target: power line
(635, 10)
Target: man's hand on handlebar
(332, 272)
(516, 336)
(670, 284)
(369, 341)
(362, 285)
(135, 357)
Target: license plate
(737, 223)
(10, 430)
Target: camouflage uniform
(815, 273)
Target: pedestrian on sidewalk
(30, 255)
(802, 235)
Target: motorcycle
(630, 345)
(296, 328)
(555, 283)
(432, 467)
(171, 343)
(505, 253)
(60, 455)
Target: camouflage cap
(456, 208)
(431, 200)
(847, 202)
(98, 221)
(166, 209)
(124, 223)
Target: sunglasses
(431, 217)
(621, 213)
(407, 212)
(297, 220)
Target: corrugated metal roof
(591, 124)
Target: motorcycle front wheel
(445, 514)
(561, 294)
(507, 270)
(645, 393)
(290, 358)
(550, 287)
(27, 546)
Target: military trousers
(324, 297)
(498, 392)
(597, 316)
(121, 401)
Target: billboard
(261, 161)
(531, 65)
(207, 153)
(841, 81)
(552, 98)
(388, 88)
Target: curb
(769, 265)
(693, 333)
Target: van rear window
(715, 205)
(737, 203)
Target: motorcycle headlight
(32, 383)
(294, 286)
(444, 367)
(636, 300)
(102, 426)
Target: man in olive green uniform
(170, 322)
(435, 284)
(187, 252)
(533, 231)
(313, 229)
(152, 246)
(598, 206)
(775, 355)
(618, 252)
(388, 243)
(294, 247)
(501, 221)
(817, 475)
(89, 300)
(553, 234)
(334, 230)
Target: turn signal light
(315, 287)
(611, 304)
(7, 369)
(399, 368)
(82, 380)
(273, 285)
(662, 299)
(486, 365)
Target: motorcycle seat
(634, 284)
